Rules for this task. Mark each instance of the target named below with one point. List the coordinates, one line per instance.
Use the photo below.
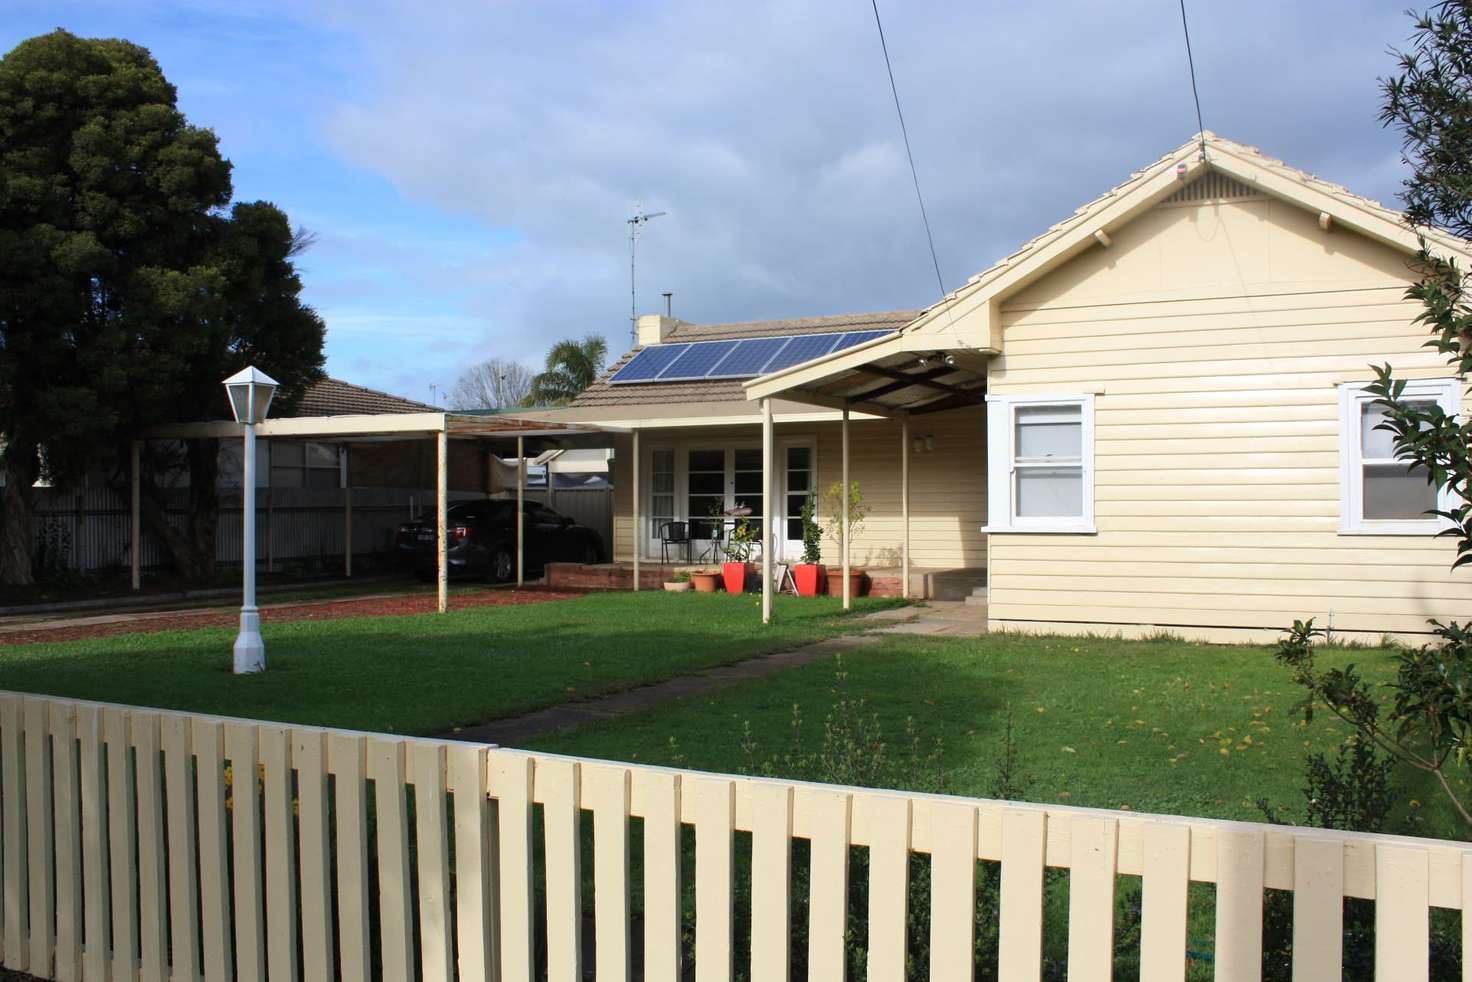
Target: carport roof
(485, 426)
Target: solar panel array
(696, 361)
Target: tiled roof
(334, 397)
(601, 393)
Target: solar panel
(857, 337)
(733, 359)
(750, 357)
(801, 349)
(647, 364)
(698, 360)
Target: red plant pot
(735, 576)
(811, 578)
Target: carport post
(441, 517)
(770, 507)
(135, 550)
(347, 515)
(635, 489)
(843, 545)
(520, 510)
(905, 502)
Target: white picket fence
(320, 868)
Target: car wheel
(503, 567)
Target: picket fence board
(475, 887)
(15, 948)
(153, 883)
(122, 831)
(952, 892)
(1402, 918)
(309, 753)
(889, 886)
(97, 915)
(183, 879)
(608, 797)
(660, 793)
(561, 827)
(1239, 905)
(1318, 909)
(213, 863)
(347, 759)
(771, 882)
(39, 833)
(396, 941)
(828, 815)
(67, 963)
(715, 856)
(511, 783)
(245, 819)
(432, 836)
(1165, 895)
(1020, 945)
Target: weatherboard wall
(947, 483)
(1214, 336)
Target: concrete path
(937, 618)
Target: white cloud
(768, 132)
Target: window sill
(1041, 530)
(1401, 529)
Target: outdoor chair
(673, 534)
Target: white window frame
(1352, 398)
(1001, 505)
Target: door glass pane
(1050, 492)
(662, 490)
(1394, 491)
(707, 493)
(286, 452)
(322, 477)
(799, 485)
(322, 454)
(747, 481)
(286, 477)
(1049, 431)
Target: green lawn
(1157, 726)
(426, 673)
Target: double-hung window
(1040, 463)
(1380, 495)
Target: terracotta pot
(677, 586)
(810, 578)
(704, 582)
(857, 582)
(735, 576)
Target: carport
(463, 440)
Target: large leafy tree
(1424, 720)
(572, 366)
(127, 289)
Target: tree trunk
(192, 551)
(21, 470)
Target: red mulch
(322, 611)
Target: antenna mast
(640, 218)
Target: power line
(1190, 61)
(914, 175)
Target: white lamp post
(250, 393)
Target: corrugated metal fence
(89, 529)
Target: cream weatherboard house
(1151, 417)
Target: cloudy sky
(469, 165)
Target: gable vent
(1212, 186)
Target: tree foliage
(493, 384)
(572, 366)
(128, 287)
(1424, 721)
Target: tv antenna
(640, 218)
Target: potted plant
(809, 575)
(704, 580)
(833, 524)
(738, 556)
(678, 583)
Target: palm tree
(572, 366)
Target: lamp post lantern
(250, 391)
